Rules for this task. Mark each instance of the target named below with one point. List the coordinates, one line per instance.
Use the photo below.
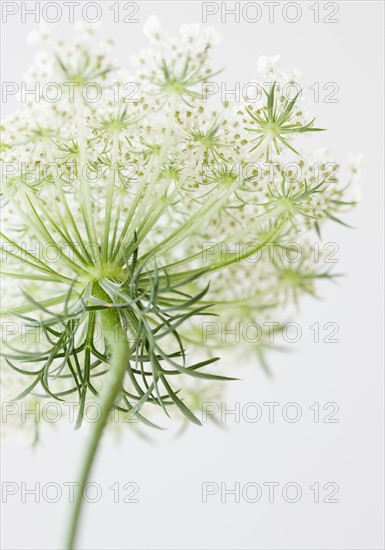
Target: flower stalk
(120, 353)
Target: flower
(152, 28)
(267, 65)
(129, 224)
(121, 212)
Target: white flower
(267, 65)
(88, 28)
(322, 155)
(33, 37)
(191, 31)
(200, 37)
(114, 202)
(214, 36)
(355, 162)
(187, 173)
(43, 33)
(294, 75)
(153, 28)
(355, 171)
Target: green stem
(117, 339)
(110, 192)
(145, 200)
(86, 204)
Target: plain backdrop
(170, 472)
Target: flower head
(137, 220)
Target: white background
(170, 513)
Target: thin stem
(85, 195)
(164, 202)
(139, 215)
(186, 229)
(134, 205)
(120, 353)
(268, 216)
(110, 192)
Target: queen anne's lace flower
(140, 201)
(128, 221)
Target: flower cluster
(132, 218)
